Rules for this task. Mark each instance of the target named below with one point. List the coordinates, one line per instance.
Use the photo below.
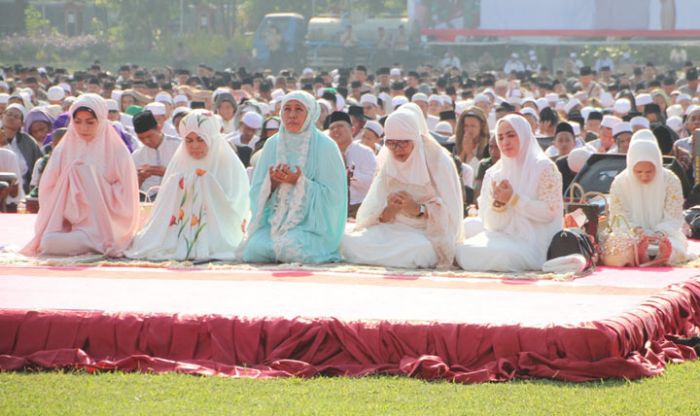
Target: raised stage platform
(290, 320)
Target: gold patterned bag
(619, 244)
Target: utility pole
(182, 17)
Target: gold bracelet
(514, 200)
(498, 206)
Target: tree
(35, 21)
(140, 24)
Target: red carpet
(263, 323)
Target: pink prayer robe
(88, 194)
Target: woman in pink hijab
(88, 192)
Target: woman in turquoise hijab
(299, 191)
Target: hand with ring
(283, 174)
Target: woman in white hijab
(520, 206)
(650, 196)
(412, 214)
(202, 205)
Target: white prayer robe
(516, 237)
(657, 206)
(429, 176)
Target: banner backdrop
(546, 15)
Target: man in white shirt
(245, 139)
(359, 159)
(513, 65)
(604, 61)
(450, 61)
(153, 157)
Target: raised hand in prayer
(399, 202)
(501, 192)
(146, 171)
(283, 174)
(393, 206)
(157, 170)
(408, 205)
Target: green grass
(677, 392)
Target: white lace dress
(517, 237)
(672, 221)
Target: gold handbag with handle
(146, 207)
(619, 244)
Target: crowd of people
(424, 168)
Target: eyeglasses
(12, 114)
(397, 144)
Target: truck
(316, 42)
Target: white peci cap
(252, 120)
(55, 93)
(158, 109)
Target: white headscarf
(219, 154)
(523, 171)
(403, 125)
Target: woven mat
(10, 257)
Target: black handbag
(592, 204)
(573, 241)
(692, 217)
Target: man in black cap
(586, 80)
(548, 127)
(503, 109)
(358, 120)
(153, 157)
(413, 81)
(591, 129)
(360, 74)
(691, 76)
(450, 117)
(668, 84)
(564, 139)
(356, 90)
(653, 113)
(383, 79)
(360, 161)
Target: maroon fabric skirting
(633, 345)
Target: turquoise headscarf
(293, 147)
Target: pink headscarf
(91, 184)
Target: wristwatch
(421, 211)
